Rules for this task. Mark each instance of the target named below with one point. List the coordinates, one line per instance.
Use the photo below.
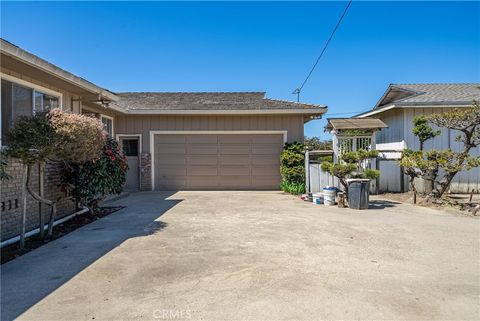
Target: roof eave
(24, 56)
(302, 111)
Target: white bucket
(317, 198)
(329, 195)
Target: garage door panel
(234, 160)
(235, 181)
(261, 149)
(170, 149)
(203, 149)
(202, 160)
(234, 170)
(234, 149)
(234, 139)
(171, 139)
(268, 139)
(208, 182)
(202, 170)
(170, 160)
(203, 139)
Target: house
(397, 108)
(172, 141)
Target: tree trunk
(24, 206)
(412, 185)
(345, 187)
(41, 177)
(53, 214)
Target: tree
(424, 132)
(315, 143)
(90, 182)
(467, 121)
(55, 136)
(352, 166)
(415, 165)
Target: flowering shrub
(80, 137)
(93, 180)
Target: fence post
(307, 171)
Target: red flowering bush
(92, 181)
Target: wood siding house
(397, 108)
(172, 141)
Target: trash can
(358, 193)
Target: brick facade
(145, 172)
(11, 202)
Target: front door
(130, 146)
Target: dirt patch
(13, 251)
(459, 204)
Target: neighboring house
(172, 141)
(397, 108)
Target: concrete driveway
(251, 256)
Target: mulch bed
(12, 251)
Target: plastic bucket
(329, 195)
(317, 198)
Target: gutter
(310, 111)
(377, 111)
(37, 230)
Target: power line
(298, 90)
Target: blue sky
(254, 46)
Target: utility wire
(346, 113)
(299, 89)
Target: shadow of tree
(380, 205)
(31, 277)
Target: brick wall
(11, 199)
(145, 172)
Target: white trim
(377, 111)
(112, 119)
(303, 111)
(204, 132)
(118, 136)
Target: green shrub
(292, 168)
(292, 188)
(92, 181)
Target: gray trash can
(358, 193)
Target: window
(130, 147)
(108, 125)
(22, 99)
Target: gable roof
(431, 95)
(354, 123)
(171, 102)
(441, 94)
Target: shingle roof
(354, 123)
(441, 94)
(209, 101)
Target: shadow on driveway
(380, 205)
(30, 278)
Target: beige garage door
(213, 161)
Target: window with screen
(130, 147)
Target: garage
(210, 161)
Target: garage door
(214, 161)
